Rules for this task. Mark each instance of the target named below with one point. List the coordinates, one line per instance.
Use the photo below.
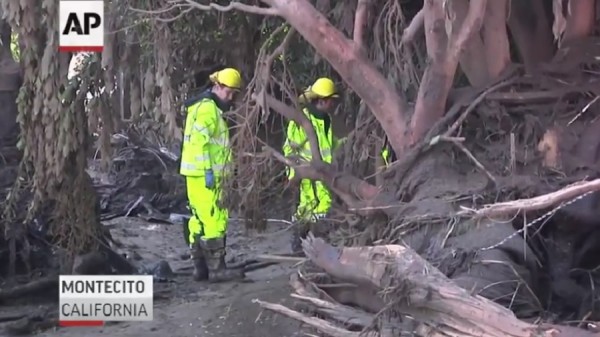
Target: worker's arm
(203, 129)
(290, 147)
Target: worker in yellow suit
(205, 157)
(318, 102)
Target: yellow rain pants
(208, 220)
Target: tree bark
(581, 19)
(495, 38)
(443, 53)
(472, 60)
(355, 68)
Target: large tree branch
(443, 61)
(470, 27)
(580, 19)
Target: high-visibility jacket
(297, 143)
(315, 199)
(205, 140)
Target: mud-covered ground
(186, 308)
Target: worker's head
(226, 83)
(322, 94)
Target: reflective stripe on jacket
(297, 144)
(205, 140)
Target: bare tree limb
(540, 202)
(317, 323)
(360, 22)
(414, 27)
(471, 26)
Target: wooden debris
(407, 286)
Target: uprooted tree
(501, 125)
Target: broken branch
(510, 208)
(470, 26)
(444, 54)
(317, 323)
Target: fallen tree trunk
(409, 285)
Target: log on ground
(409, 285)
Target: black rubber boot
(199, 261)
(214, 251)
(300, 232)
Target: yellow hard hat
(324, 88)
(228, 77)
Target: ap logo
(81, 25)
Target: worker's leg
(324, 204)
(214, 220)
(195, 227)
(305, 213)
